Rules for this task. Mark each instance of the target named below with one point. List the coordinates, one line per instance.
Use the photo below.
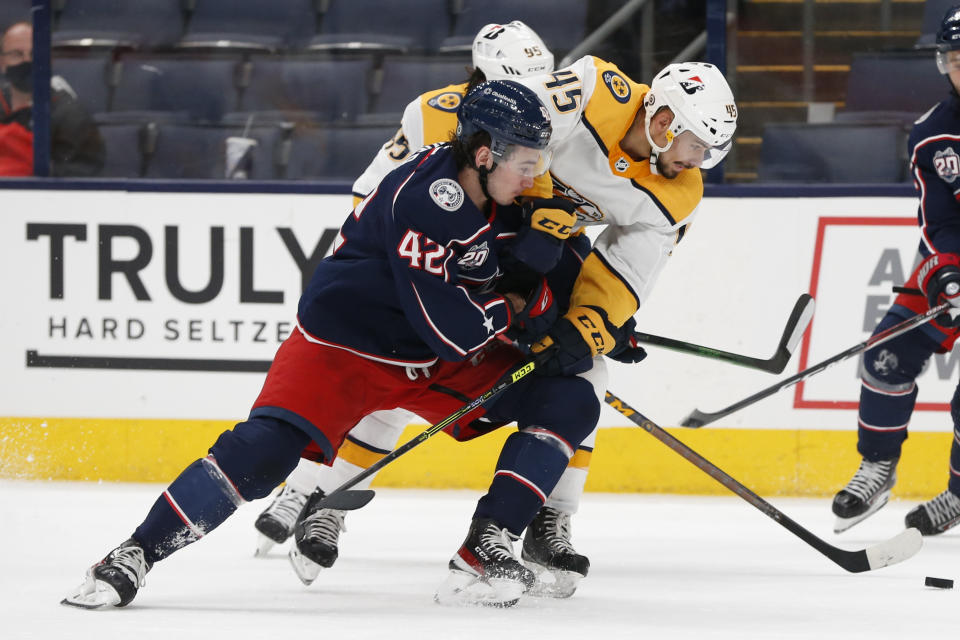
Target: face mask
(21, 76)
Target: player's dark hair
(464, 151)
(476, 77)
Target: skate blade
(461, 589)
(842, 524)
(264, 544)
(305, 568)
(553, 583)
(92, 594)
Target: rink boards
(138, 325)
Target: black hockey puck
(939, 583)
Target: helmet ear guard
(701, 102)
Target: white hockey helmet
(512, 50)
(701, 102)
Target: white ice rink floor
(662, 567)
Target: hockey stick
(797, 323)
(883, 554)
(698, 418)
(346, 500)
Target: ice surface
(662, 567)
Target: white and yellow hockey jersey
(592, 105)
(429, 119)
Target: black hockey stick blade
(698, 418)
(349, 499)
(796, 324)
(897, 549)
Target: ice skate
(547, 550)
(865, 494)
(317, 536)
(276, 522)
(114, 580)
(936, 515)
(485, 571)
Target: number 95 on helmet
(513, 116)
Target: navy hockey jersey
(934, 147)
(412, 271)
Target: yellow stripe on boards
(625, 459)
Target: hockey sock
(528, 469)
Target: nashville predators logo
(448, 101)
(617, 85)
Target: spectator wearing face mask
(76, 146)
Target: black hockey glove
(547, 223)
(537, 316)
(628, 349)
(569, 347)
(939, 277)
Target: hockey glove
(628, 349)
(537, 316)
(548, 222)
(569, 347)
(939, 277)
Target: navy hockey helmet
(948, 39)
(511, 113)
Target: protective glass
(948, 61)
(689, 147)
(524, 161)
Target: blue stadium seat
(185, 151)
(324, 90)
(933, 12)
(372, 25)
(894, 81)
(834, 153)
(119, 23)
(340, 153)
(198, 88)
(124, 149)
(250, 25)
(90, 76)
(561, 24)
(404, 78)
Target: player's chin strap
(484, 173)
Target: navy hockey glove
(548, 222)
(569, 348)
(537, 316)
(939, 277)
(628, 349)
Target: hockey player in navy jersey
(888, 374)
(406, 312)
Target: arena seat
(118, 23)
(340, 153)
(406, 77)
(200, 88)
(367, 25)
(250, 25)
(124, 149)
(894, 81)
(561, 24)
(197, 151)
(90, 76)
(327, 89)
(833, 153)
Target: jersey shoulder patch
(447, 193)
(447, 99)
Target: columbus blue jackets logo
(947, 163)
(691, 85)
(447, 193)
(618, 86)
(447, 101)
